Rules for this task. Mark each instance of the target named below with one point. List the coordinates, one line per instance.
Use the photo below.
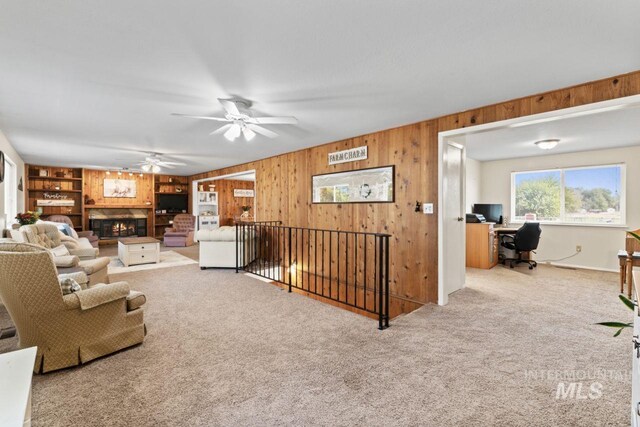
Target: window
(581, 196)
(10, 190)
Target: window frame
(563, 170)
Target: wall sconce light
(141, 175)
(108, 172)
(119, 173)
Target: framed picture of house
(119, 188)
(372, 185)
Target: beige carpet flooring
(225, 349)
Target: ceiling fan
(154, 163)
(239, 121)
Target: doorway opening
(224, 200)
(492, 161)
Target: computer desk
(505, 230)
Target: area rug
(167, 259)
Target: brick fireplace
(116, 223)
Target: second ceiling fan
(240, 122)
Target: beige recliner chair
(87, 234)
(67, 329)
(48, 236)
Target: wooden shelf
(54, 178)
(54, 191)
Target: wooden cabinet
(172, 186)
(482, 245)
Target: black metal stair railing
(348, 267)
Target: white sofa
(218, 248)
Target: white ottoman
(218, 248)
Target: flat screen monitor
(172, 202)
(491, 212)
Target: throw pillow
(60, 251)
(67, 230)
(74, 234)
(69, 286)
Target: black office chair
(526, 239)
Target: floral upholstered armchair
(181, 234)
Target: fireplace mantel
(118, 206)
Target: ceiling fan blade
(229, 106)
(217, 119)
(172, 163)
(262, 131)
(222, 129)
(273, 120)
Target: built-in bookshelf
(54, 190)
(171, 194)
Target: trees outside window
(590, 195)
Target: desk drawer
(141, 247)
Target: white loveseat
(218, 247)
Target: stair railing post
(289, 259)
(237, 248)
(386, 275)
(380, 284)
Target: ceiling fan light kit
(240, 122)
(153, 163)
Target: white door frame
(194, 189)
(443, 137)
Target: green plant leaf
(618, 333)
(627, 302)
(636, 235)
(615, 324)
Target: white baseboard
(583, 267)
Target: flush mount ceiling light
(240, 121)
(547, 144)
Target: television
(491, 212)
(172, 203)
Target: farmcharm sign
(351, 155)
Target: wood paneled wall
(228, 205)
(94, 188)
(283, 183)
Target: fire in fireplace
(115, 223)
(119, 227)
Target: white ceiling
(607, 129)
(93, 83)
